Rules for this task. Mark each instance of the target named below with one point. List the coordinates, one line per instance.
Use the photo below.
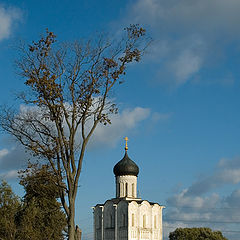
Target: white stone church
(127, 217)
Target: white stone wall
(128, 221)
(126, 186)
(147, 221)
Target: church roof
(126, 167)
(118, 200)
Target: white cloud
(8, 16)
(109, 134)
(3, 153)
(16, 157)
(189, 35)
(186, 64)
(233, 200)
(187, 16)
(213, 211)
(13, 158)
(200, 205)
(227, 172)
(12, 174)
(183, 200)
(121, 123)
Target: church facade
(127, 217)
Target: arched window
(133, 190)
(126, 189)
(132, 219)
(144, 221)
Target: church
(127, 217)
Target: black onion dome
(126, 167)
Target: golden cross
(126, 146)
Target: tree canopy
(41, 217)
(69, 93)
(196, 234)
(9, 206)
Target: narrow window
(121, 189)
(118, 190)
(99, 221)
(124, 220)
(133, 190)
(126, 186)
(144, 220)
(111, 221)
(132, 219)
(155, 221)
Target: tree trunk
(71, 221)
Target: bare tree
(67, 97)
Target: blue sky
(179, 107)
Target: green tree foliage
(9, 206)
(196, 234)
(41, 217)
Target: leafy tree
(69, 94)
(9, 205)
(196, 234)
(41, 217)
